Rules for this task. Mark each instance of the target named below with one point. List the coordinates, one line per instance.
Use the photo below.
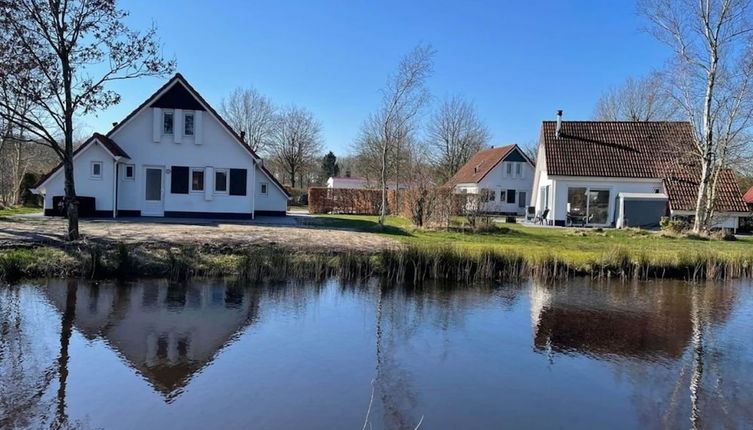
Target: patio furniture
(530, 213)
(540, 218)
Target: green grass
(576, 246)
(19, 210)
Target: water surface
(215, 354)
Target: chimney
(559, 124)
(115, 124)
(243, 136)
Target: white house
(506, 173)
(603, 173)
(173, 156)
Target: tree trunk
(383, 209)
(292, 177)
(707, 147)
(70, 200)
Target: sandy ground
(289, 232)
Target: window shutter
(178, 125)
(237, 182)
(179, 179)
(156, 124)
(198, 127)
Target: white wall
(498, 180)
(100, 189)
(218, 150)
(274, 200)
(614, 185)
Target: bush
(675, 226)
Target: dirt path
(29, 231)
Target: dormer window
(167, 123)
(188, 124)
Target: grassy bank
(406, 264)
(19, 210)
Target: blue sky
(517, 61)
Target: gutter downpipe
(115, 187)
(253, 189)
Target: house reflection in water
(166, 331)
(640, 321)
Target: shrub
(675, 226)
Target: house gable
(178, 93)
(177, 97)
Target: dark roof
(108, 143)
(482, 162)
(682, 184)
(613, 148)
(178, 78)
(748, 197)
(654, 149)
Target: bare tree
(643, 99)
(59, 56)
(455, 133)
(711, 82)
(386, 133)
(252, 114)
(296, 142)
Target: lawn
(573, 245)
(19, 210)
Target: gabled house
(601, 173)
(173, 156)
(505, 173)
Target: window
(96, 170)
(197, 179)
(167, 123)
(518, 169)
(220, 181)
(509, 169)
(587, 205)
(264, 188)
(510, 196)
(188, 124)
(491, 195)
(128, 172)
(521, 199)
(502, 195)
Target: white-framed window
(519, 170)
(129, 172)
(167, 122)
(263, 188)
(197, 179)
(96, 170)
(188, 126)
(509, 169)
(220, 181)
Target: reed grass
(412, 263)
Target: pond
(215, 354)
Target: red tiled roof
(613, 148)
(682, 189)
(748, 197)
(108, 143)
(481, 164)
(626, 149)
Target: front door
(153, 192)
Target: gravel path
(36, 230)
